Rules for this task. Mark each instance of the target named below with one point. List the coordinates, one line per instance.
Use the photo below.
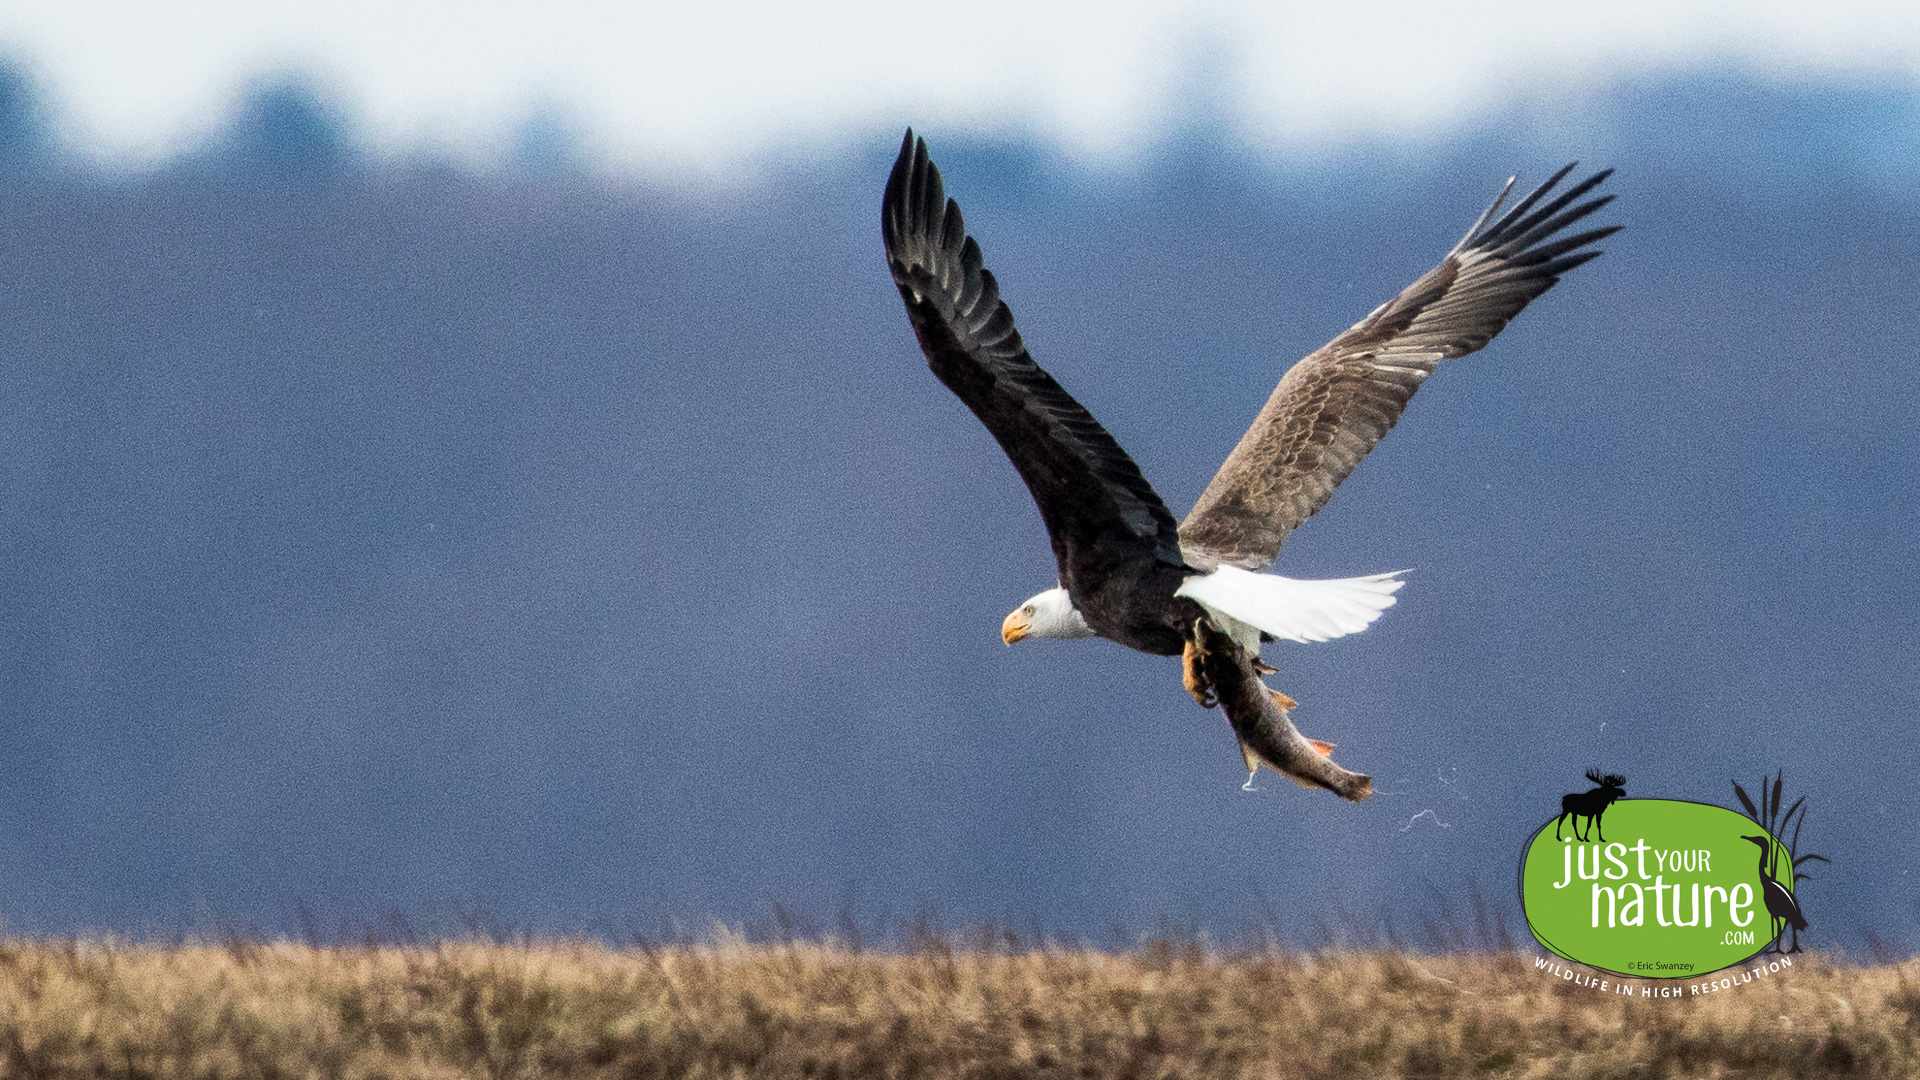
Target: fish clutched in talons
(1193, 674)
(1260, 723)
(1253, 761)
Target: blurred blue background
(395, 538)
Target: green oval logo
(1675, 889)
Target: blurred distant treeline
(381, 532)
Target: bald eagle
(1194, 589)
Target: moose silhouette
(1590, 804)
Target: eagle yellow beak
(1015, 627)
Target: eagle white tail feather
(1293, 609)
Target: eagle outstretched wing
(1332, 407)
(1099, 510)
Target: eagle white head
(1051, 614)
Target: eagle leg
(1193, 673)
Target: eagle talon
(1261, 667)
(1193, 676)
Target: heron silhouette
(1780, 903)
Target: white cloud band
(690, 85)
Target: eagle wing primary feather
(1099, 509)
(1332, 407)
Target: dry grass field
(733, 1009)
